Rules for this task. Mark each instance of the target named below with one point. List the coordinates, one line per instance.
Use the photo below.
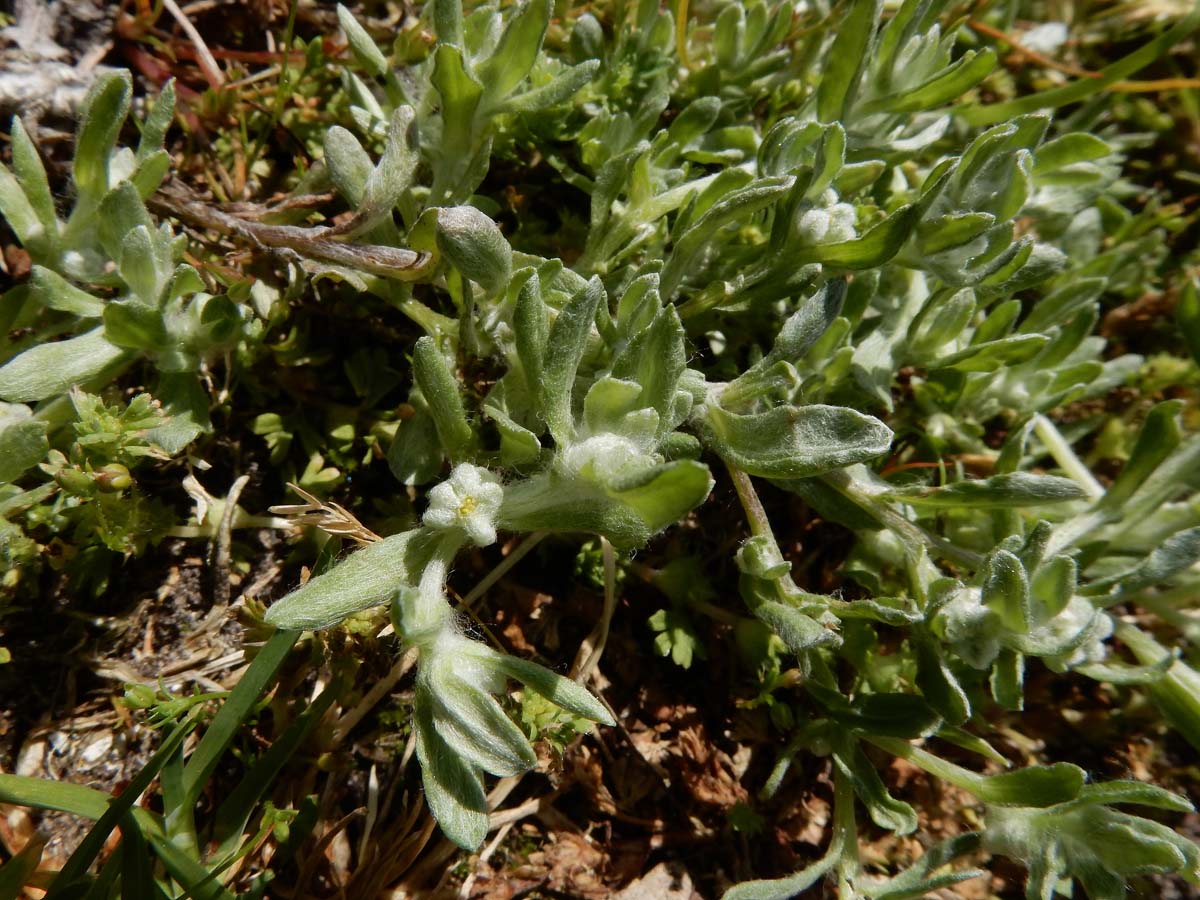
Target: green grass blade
(41, 794)
(93, 842)
(103, 886)
(137, 874)
(234, 712)
(235, 811)
(18, 870)
(76, 799)
(197, 882)
(179, 817)
(1082, 88)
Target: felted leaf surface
(51, 369)
(794, 441)
(368, 577)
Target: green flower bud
(474, 245)
(113, 478)
(74, 481)
(139, 696)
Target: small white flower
(842, 217)
(1046, 38)
(469, 499)
(1077, 617)
(971, 628)
(121, 165)
(604, 457)
(814, 225)
(830, 223)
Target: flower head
(469, 499)
(605, 457)
(830, 223)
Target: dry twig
(311, 243)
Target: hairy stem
(1058, 447)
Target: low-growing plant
(796, 255)
(106, 292)
(151, 306)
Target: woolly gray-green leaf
(365, 50)
(793, 441)
(552, 502)
(51, 369)
(565, 346)
(388, 181)
(1015, 490)
(876, 247)
(54, 292)
(1033, 786)
(158, 120)
(1006, 590)
(18, 212)
(441, 391)
(560, 89)
(368, 577)
(844, 64)
(885, 810)
(31, 174)
(474, 245)
(134, 324)
(453, 790)
(23, 442)
(472, 723)
(664, 494)
(103, 114)
(563, 692)
(349, 164)
(517, 50)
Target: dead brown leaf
(660, 883)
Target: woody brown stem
(314, 243)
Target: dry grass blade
(390, 854)
(330, 517)
(208, 64)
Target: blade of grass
(1082, 88)
(103, 886)
(233, 712)
(137, 876)
(235, 811)
(38, 793)
(178, 817)
(93, 842)
(196, 881)
(18, 870)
